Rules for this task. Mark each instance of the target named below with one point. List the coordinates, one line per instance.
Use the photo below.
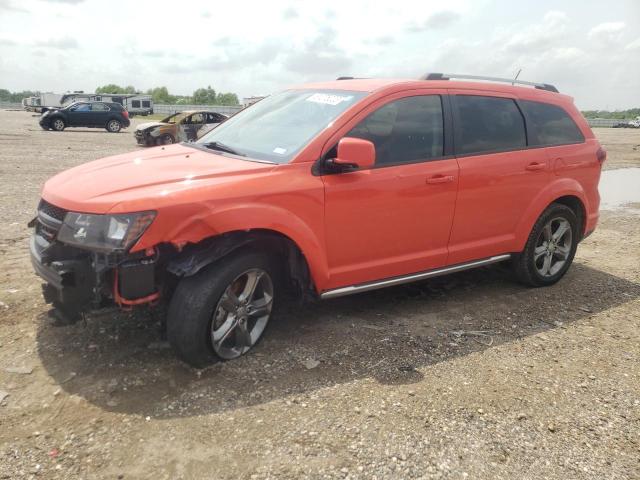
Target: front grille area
(51, 210)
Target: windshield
(279, 126)
(175, 118)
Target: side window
(82, 107)
(404, 131)
(135, 103)
(552, 124)
(196, 118)
(99, 107)
(488, 124)
(146, 103)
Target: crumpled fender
(207, 222)
(561, 187)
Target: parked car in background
(179, 127)
(111, 116)
(323, 190)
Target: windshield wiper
(222, 148)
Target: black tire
(526, 268)
(57, 124)
(44, 127)
(113, 126)
(197, 298)
(166, 139)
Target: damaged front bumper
(79, 280)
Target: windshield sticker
(328, 99)
(280, 150)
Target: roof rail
(344, 78)
(448, 76)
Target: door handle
(440, 179)
(536, 166)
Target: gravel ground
(467, 376)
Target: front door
(80, 115)
(395, 218)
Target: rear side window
(99, 107)
(488, 124)
(404, 131)
(552, 124)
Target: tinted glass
(407, 130)
(552, 125)
(81, 107)
(146, 103)
(487, 124)
(135, 103)
(99, 107)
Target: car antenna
(516, 77)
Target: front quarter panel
(290, 201)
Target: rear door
(499, 174)
(395, 218)
(100, 114)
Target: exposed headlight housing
(104, 232)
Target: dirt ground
(468, 376)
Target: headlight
(104, 232)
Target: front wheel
(223, 310)
(550, 249)
(58, 124)
(113, 126)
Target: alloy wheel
(553, 247)
(242, 313)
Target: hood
(139, 181)
(144, 126)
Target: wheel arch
(195, 257)
(566, 192)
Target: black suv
(111, 116)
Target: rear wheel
(58, 124)
(223, 310)
(550, 249)
(114, 126)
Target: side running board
(413, 277)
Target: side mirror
(355, 153)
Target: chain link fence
(169, 109)
(604, 122)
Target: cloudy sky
(590, 50)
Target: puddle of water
(619, 188)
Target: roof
(394, 84)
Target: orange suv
(322, 190)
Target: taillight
(601, 155)
(125, 114)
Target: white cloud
(266, 46)
(609, 32)
(437, 20)
(635, 45)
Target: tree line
(631, 113)
(202, 96)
